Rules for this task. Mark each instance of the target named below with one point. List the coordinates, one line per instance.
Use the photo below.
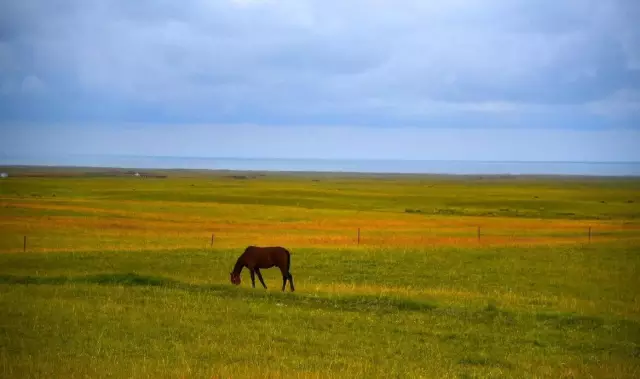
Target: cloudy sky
(457, 79)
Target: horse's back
(267, 250)
(268, 256)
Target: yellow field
(93, 223)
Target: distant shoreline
(349, 167)
(151, 172)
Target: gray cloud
(252, 60)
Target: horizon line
(3, 155)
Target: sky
(378, 79)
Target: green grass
(454, 312)
(576, 198)
(118, 283)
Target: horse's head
(235, 278)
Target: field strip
(325, 219)
(241, 241)
(454, 296)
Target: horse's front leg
(260, 277)
(253, 278)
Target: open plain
(108, 275)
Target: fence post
(24, 245)
(211, 240)
(589, 234)
(478, 233)
(358, 236)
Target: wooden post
(589, 234)
(211, 240)
(358, 236)
(24, 246)
(478, 234)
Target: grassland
(119, 278)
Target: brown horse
(254, 258)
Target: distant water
(334, 165)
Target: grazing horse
(254, 258)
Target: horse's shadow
(314, 300)
(346, 302)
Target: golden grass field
(87, 224)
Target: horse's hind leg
(285, 276)
(260, 277)
(291, 282)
